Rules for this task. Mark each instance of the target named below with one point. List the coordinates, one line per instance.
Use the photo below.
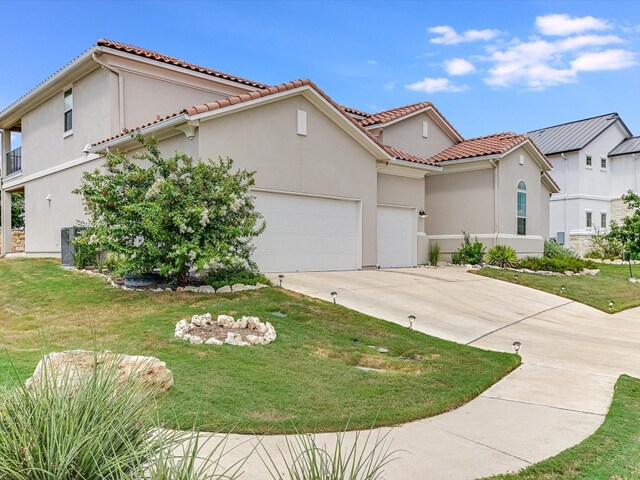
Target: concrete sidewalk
(572, 356)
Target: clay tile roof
(480, 146)
(386, 116)
(244, 97)
(400, 155)
(123, 47)
(354, 111)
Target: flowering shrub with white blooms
(175, 215)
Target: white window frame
(604, 214)
(604, 159)
(588, 218)
(588, 161)
(67, 133)
(518, 216)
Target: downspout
(496, 201)
(120, 90)
(566, 199)
(637, 161)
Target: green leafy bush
(502, 256)
(230, 275)
(17, 210)
(557, 264)
(175, 215)
(627, 233)
(469, 252)
(434, 253)
(553, 250)
(605, 246)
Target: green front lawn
(305, 380)
(611, 453)
(612, 284)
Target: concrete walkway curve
(572, 355)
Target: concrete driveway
(572, 356)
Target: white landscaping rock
(213, 341)
(264, 333)
(190, 288)
(238, 287)
(196, 340)
(225, 289)
(261, 285)
(69, 367)
(206, 289)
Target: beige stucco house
(340, 189)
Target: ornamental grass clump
(502, 256)
(61, 428)
(95, 426)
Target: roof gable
(628, 146)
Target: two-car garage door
(307, 233)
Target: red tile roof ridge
(355, 111)
(493, 144)
(143, 52)
(386, 116)
(244, 97)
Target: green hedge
(555, 264)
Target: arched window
(522, 208)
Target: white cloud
(390, 85)
(605, 60)
(448, 35)
(541, 63)
(372, 62)
(458, 66)
(563, 24)
(433, 85)
(583, 41)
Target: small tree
(174, 215)
(628, 232)
(17, 210)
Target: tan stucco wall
(406, 135)
(408, 192)
(326, 161)
(43, 143)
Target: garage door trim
(414, 232)
(327, 197)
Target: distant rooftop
(630, 145)
(573, 135)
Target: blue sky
(489, 66)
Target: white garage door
(307, 233)
(397, 240)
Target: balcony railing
(14, 161)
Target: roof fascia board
(494, 156)
(123, 140)
(174, 68)
(414, 165)
(429, 111)
(550, 183)
(47, 88)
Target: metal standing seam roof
(630, 145)
(572, 136)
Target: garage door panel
(307, 233)
(396, 236)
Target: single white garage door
(307, 233)
(397, 240)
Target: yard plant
(502, 256)
(469, 252)
(174, 215)
(306, 380)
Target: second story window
(603, 163)
(68, 110)
(589, 161)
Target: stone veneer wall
(581, 244)
(17, 241)
(619, 210)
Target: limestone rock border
(244, 332)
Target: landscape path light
(412, 318)
(280, 279)
(516, 347)
(334, 295)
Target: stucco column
(6, 223)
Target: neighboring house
(340, 189)
(594, 166)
